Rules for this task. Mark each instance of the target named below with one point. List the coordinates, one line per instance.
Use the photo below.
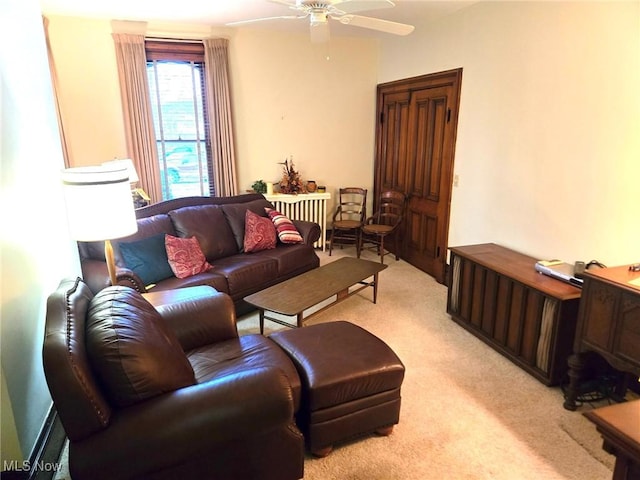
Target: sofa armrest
(172, 429)
(128, 278)
(96, 275)
(198, 315)
(310, 231)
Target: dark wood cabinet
(496, 294)
(608, 325)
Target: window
(175, 72)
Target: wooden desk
(608, 325)
(620, 428)
(496, 294)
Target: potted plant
(291, 181)
(259, 186)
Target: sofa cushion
(185, 256)
(246, 274)
(236, 212)
(259, 233)
(212, 278)
(209, 225)
(134, 353)
(287, 232)
(292, 259)
(147, 258)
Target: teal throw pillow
(147, 258)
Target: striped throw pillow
(287, 232)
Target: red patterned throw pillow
(259, 233)
(185, 256)
(287, 232)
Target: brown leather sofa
(160, 386)
(218, 224)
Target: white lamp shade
(124, 163)
(99, 204)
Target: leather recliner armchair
(163, 387)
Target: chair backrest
(78, 399)
(390, 208)
(352, 204)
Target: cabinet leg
(621, 387)
(577, 363)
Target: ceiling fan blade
(288, 3)
(319, 32)
(254, 20)
(352, 6)
(376, 24)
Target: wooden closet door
(415, 147)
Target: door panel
(393, 154)
(415, 145)
(430, 114)
(420, 238)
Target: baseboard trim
(46, 452)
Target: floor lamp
(99, 207)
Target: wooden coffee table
(292, 297)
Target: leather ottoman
(350, 382)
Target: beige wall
(9, 441)
(548, 147)
(35, 250)
(288, 100)
(88, 91)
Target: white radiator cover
(311, 207)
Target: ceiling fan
(320, 11)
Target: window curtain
(136, 106)
(218, 98)
(54, 84)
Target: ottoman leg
(322, 452)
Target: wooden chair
(384, 222)
(349, 216)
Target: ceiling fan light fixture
(318, 17)
(319, 32)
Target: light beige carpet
(467, 412)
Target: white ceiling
(220, 12)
